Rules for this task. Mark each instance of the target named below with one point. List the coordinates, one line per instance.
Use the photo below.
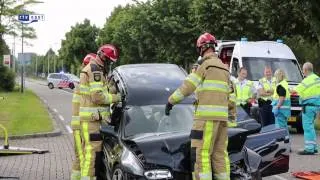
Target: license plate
(292, 119)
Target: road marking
(61, 117)
(69, 129)
(55, 110)
(279, 177)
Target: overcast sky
(60, 15)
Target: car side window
(57, 76)
(53, 76)
(235, 67)
(64, 77)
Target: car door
(56, 79)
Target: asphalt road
(60, 101)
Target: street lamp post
(36, 65)
(48, 63)
(22, 60)
(26, 19)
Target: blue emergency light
(279, 41)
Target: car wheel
(71, 86)
(118, 174)
(50, 85)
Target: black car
(141, 142)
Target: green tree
(227, 19)
(9, 9)
(7, 79)
(79, 41)
(166, 30)
(309, 9)
(4, 49)
(152, 31)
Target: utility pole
(36, 65)
(54, 64)
(22, 60)
(48, 63)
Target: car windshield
(255, 66)
(152, 119)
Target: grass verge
(23, 113)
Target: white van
(255, 56)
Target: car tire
(71, 85)
(50, 85)
(119, 174)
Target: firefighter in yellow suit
(209, 137)
(75, 125)
(94, 108)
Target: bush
(7, 79)
(305, 50)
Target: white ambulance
(254, 56)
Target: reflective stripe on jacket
(75, 121)
(243, 93)
(95, 98)
(211, 80)
(267, 86)
(309, 88)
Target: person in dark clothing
(266, 87)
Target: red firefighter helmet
(88, 57)
(108, 52)
(205, 41)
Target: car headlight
(158, 174)
(131, 163)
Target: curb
(55, 132)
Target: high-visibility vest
(286, 106)
(244, 93)
(267, 86)
(309, 88)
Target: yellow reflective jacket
(309, 88)
(75, 122)
(95, 98)
(267, 86)
(211, 80)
